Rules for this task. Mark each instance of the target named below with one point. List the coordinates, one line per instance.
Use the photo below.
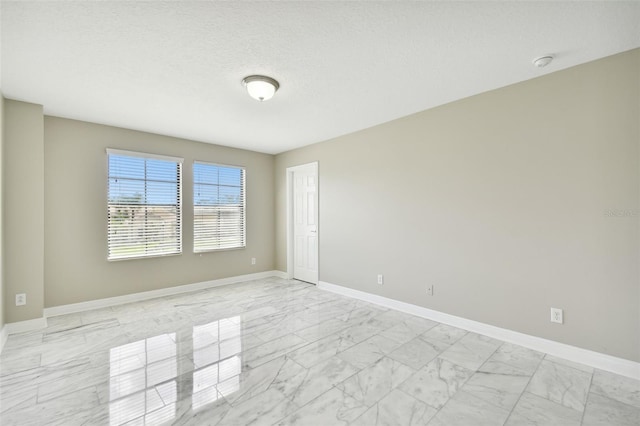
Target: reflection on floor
(275, 351)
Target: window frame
(244, 205)
(179, 217)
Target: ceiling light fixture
(260, 87)
(542, 61)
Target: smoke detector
(542, 61)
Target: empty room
(320, 213)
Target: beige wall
(500, 201)
(23, 209)
(76, 266)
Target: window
(144, 216)
(218, 207)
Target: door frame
(290, 213)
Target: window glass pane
(205, 194)
(205, 173)
(219, 207)
(125, 191)
(144, 217)
(229, 195)
(126, 167)
(162, 193)
(161, 170)
(230, 176)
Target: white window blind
(144, 205)
(218, 207)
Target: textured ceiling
(175, 68)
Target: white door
(305, 223)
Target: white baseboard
(3, 337)
(146, 295)
(572, 353)
(28, 325)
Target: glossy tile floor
(283, 352)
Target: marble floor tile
(366, 353)
(334, 408)
(561, 384)
(94, 416)
(397, 408)
(63, 323)
(532, 410)
(18, 364)
(316, 380)
(282, 327)
(206, 414)
(344, 302)
(59, 350)
(622, 389)
(418, 352)
(271, 350)
(322, 314)
(101, 341)
(445, 333)
(308, 314)
(320, 350)
(408, 328)
(97, 315)
(401, 333)
(16, 344)
(72, 382)
(63, 332)
(17, 399)
(376, 381)
(362, 313)
(238, 385)
(471, 351)
(322, 329)
(360, 332)
(53, 409)
(394, 317)
(436, 382)
(603, 411)
(254, 327)
(276, 351)
(501, 390)
(568, 363)
(265, 408)
(46, 374)
(237, 388)
(514, 360)
(465, 409)
(261, 312)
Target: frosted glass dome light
(260, 87)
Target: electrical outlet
(430, 290)
(556, 315)
(380, 279)
(253, 260)
(21, 299)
